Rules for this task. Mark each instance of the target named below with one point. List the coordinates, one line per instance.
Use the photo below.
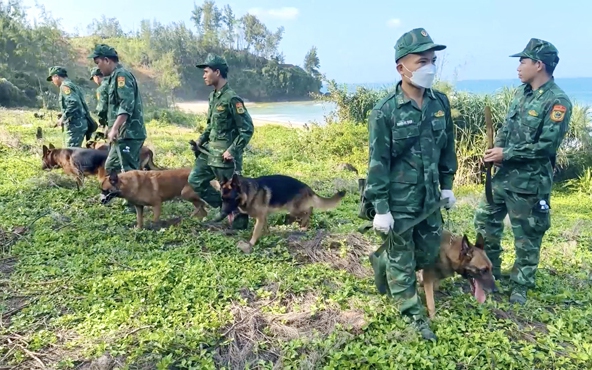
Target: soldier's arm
(555, 125)
(125, 93)
(205, 136)
(102, 105)
(244, 123)
(71, 103)
(377, 184)
(448, 161)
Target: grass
(80, 287)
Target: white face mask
(423, 77)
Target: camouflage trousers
(529, 225)
(421, 248)
(75, 131)
(130, 155)
(200, 178)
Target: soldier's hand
(494, 155)
(112, 135)
(227, 156)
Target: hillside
(162, 56)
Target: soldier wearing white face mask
(412, 166)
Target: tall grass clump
(468, 113)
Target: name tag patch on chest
(533, 113)
(220, 108)
(439, 113)
(66, 90)
(120, 81)
(404, 123)
(558, 113)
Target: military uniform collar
(544, 87)
(402, 99)
(219, 93)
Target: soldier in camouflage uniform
(102, 108)
(72, 106)
(229, 129)
(525, 150)
(127, 131)
(412, 157)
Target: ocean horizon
(299, 113)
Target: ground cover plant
(80, 288)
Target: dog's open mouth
(477, 290)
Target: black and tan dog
(146, 155)
(458, 255)
(77, 162)
(258, 197)
(151, 188)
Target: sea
(299, 113)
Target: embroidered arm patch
(558, 113)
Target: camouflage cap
(414, 42)
(214, 61)
(95, 72)
(540, 50)
(103, 50)
(57, 70)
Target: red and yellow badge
(120, 81)
(558, 113)
(66, 90)
(240, 108)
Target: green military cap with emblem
(214, 61)
(57, 70)
(95, 72)
(540, 50)
(414, 42)
(103, 51)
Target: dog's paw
(245, 246)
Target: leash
(208, 153)
(488, 166)
(119, 155)
(406, 227)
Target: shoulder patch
(558, 113)
(240, 108)
(66, 90)
(120, 81)
(533, 113)
(439, 113)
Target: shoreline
(201, 107)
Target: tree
(312, 62)
(168, 76)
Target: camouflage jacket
(535, 126)
(124, 98)
(412, 152)
(70, 102)
(102, 109)
(229, 123)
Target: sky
(355, 40)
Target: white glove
(383, 222)
(451, 199)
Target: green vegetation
(79, 284)
(163, 57)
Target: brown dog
(151, 188)
(458, 255)
(78, 162)
(146, 155)
(258, 197)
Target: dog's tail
(326, 204)
(150, 163)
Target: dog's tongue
(479, 293)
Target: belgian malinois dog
(146, 155)
(151, 188)
(458, 255)
(77, 162)
(258, 197)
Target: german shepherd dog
(458, 255)
(146, 155)
(258, 197)
(77, 162)
(151, 188)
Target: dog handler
(229, 130)
(126, 118)
(102, 95)
(525, 150)
(412, 156)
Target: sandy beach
(202, 107)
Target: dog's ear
(51, 147)
(113, 178)
(480, 243)
(465, 248)
(45, 150)
(235, 181)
